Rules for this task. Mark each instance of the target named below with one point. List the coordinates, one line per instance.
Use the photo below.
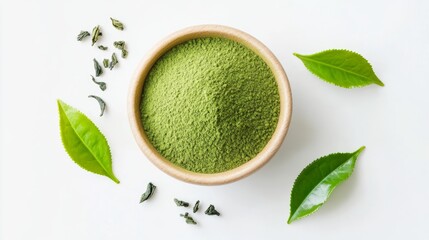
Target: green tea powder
(210, 105)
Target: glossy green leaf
(343, 68)
(317, 181)
(84, 142)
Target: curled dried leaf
(212, 211)
(114, 61)
(82, 35)
(100, 102)
(97, 68)
(102, 85)
(96, 33)
(117, 24)
(181, 203)
(150, 189)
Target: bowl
(184, 35)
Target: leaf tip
(379, 83)
(297, 55)
(360, 150)
(115, 179)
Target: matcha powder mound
(209, 105)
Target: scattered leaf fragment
(189, 219)
(316, 182)
(82, 35)
(343, 68)
(102, 85)
(106, 63)
(212, 211)
(96, 33)
(84, 142)
(101, 47)
(97, 68)
(124, 53)
(100, 102)
(114, 61)
(150, 189)
(117, 24)
(119, 44)
(180, 203)
(196, 206)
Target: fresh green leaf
(150, 189)
(343, 68)
(117, 24)
(96, 34)
(97, 68)
(317, 181)
(114, 61)
(102, 85)
(100, 102)
(212, 211)
(84, 142)
(82, 35)
(101, 47)
(181, 203)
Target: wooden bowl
(209, 31)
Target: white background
(44, 195)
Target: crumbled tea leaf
(101, 47)
(196, 206)
(100, 102)
(102, 85)
(212, 211)
(340, 67)
(119, 45)
(180, 203)
(316, 182)
(96, 33)
(124, 53)
(150, 189)
(97, 67)
(114, 61)
(82, 35)
(117, 24)
(84, 142)
(189, 219)
(106, 63)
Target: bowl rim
(183, 35)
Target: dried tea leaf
(343, 68)
(196, 206)
(97, 67)
(101, 47)
(124, 53)
(119, 45)
(106, 63)
(96, 33)
(117, 24)
(102, 85)
(189, 219)
(317, 181)
(100, 102)
(84, 142)
(180, 203)
(150, 189)
(212, 211)
(114, 61)
(82, 35)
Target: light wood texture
(209, 31)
